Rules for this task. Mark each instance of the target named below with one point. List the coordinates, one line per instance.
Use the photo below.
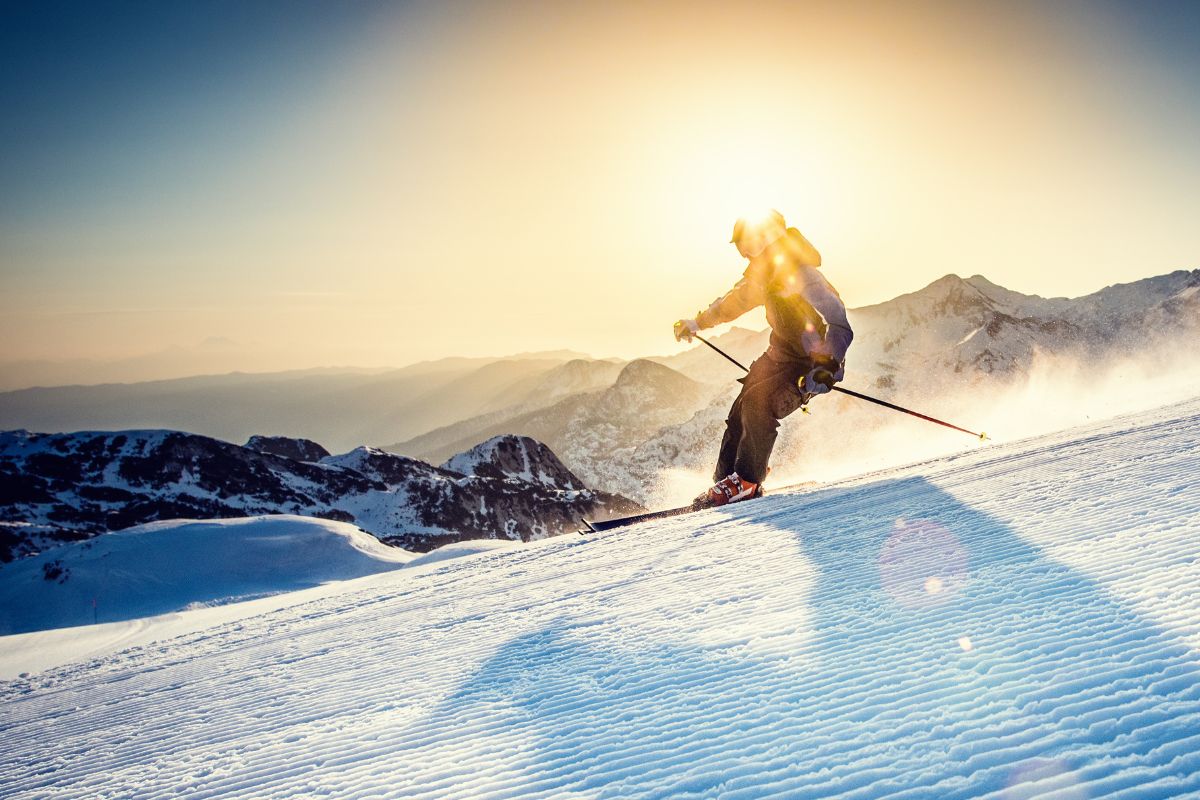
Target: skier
(806, 355)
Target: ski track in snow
(1018, 621)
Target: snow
(170, 566)
(466, 463)
(968, 337)
(78, 485)
(1017, 621)
(460, 549)
(49, 649)
(514, 457)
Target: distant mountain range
(619, 425)
(599, 428)
(216, 355)
(340, 409)
(56, 488)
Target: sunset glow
(377, 184)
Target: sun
(739, 171)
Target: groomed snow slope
(1019, 621)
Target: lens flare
(922, 565)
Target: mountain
(215, 356)
(1020, 621)
(948, 350)
(66, 487)
(935, 348)
(568, 382)
(518, 457)
(342, 409)
(573, 377)
(593, 432)
(464, 364)
(701, 364)
(170, 566)
(973, 331)
(297, 449)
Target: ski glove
(821, 378)
(686, 329)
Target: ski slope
(1017, 621)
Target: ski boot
(730, 489)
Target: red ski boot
(731, 489)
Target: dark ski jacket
(806, 314)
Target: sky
(310, 184)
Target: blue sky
(96, 88)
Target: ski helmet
(744, 224)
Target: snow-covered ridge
(516, 457)
(388, 468)
(970, 329)
(1020, 621)
(169, 566)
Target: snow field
(169, 566)
(1017, 621)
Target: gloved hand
(686, 329)
(821, 378)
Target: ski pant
(770, 392)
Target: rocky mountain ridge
(601, 428)
(65, 487)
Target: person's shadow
(817, 652)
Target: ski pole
(916, 414)
(722, 352)
(860, 396)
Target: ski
(621, 522)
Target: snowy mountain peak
(389, 469)
(954, 288)
(519, 457)
(288, 447)
(949, 295)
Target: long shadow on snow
(912, 647)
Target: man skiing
(806, 356)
